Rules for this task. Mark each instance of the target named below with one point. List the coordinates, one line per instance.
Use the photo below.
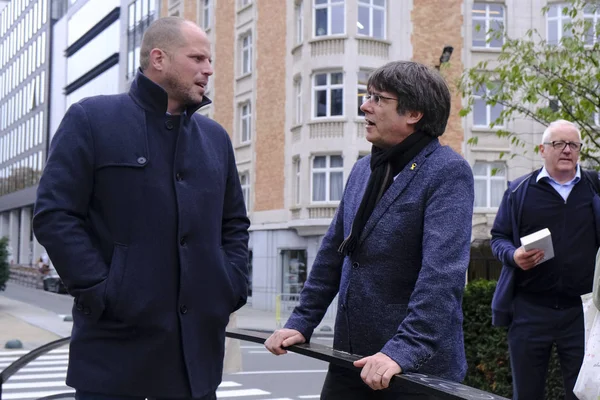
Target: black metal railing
(433, 386)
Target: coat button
(169, 124)
(178, 177)
(355, 265)
(183, 309)
(141, 160)
(182, 241)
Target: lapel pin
(412, 167)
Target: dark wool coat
(400, 292)
(152, 246)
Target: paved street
(262, 377)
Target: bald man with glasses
(539, 300)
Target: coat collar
(400, 183)
(154, 98)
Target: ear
(412, 117)
(157, 59)
(541, 148)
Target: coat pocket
(230, 282)
(114, 281)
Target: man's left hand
(377, 370)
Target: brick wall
(270, 104)
(432, 30)
(224, 64)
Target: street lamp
(445, 57)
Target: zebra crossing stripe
(39, 363)
(33, 395)
(222, 394)
(31, 377)
(34, 385)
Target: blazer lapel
(395, 190)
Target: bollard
(13, 344)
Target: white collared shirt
(564, 189)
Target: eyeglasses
(561, 145)
(376, 98)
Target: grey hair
(548, 131)
(164, 33)
(418, 88)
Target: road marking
(228, 384)
(310, 396)
(31, 385)
(23, 352)
(291, 371)
(42, 369)
(252, 347)
(239, 393)
(32, 377)
(33, 395)
(39, 363)
(41, 358)
(266, 352)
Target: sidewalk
(35, 326)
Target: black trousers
(345, 384)
(535, 328)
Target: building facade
(54, 53)
(25, 38)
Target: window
(330, 18)
(371, 18)
(247, 54)
(592, 18)
(363, 78)
(299, 12)
(140, 14)
(557, 22)
(294, 274)
(206, 14)
(328, 89)
(245, 123)
(327, 178)
(488, 25)
(298, 99)
(296, 181)
(490, 184)
(484, 114)
(245, 183)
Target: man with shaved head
(141, 211)
(539, 298)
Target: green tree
(4, 268)
(544, 81)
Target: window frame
(372, 7)
(328, 87)
(246, 188)
(488, 178)
(487, 22)
(329, 5)
(327, 170)
(245, 117)
(560, 18)
(246, 54)
(488, 109)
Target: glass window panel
(321, 79)
(379, 3)
(497, 191)
(336, 161)
(495, 112)
(321, 103)
(337, 186)
(378, 24)
(480, 193)
(320, 162)
(363, 20)
(321, 22)
(496, 10)
(337, 101)
(553, 32)
(480, 113)
(497, 28)
(337, 78)
(319, 185)
(338, 25)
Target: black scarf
(385, 165)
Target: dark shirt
(570, 273)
